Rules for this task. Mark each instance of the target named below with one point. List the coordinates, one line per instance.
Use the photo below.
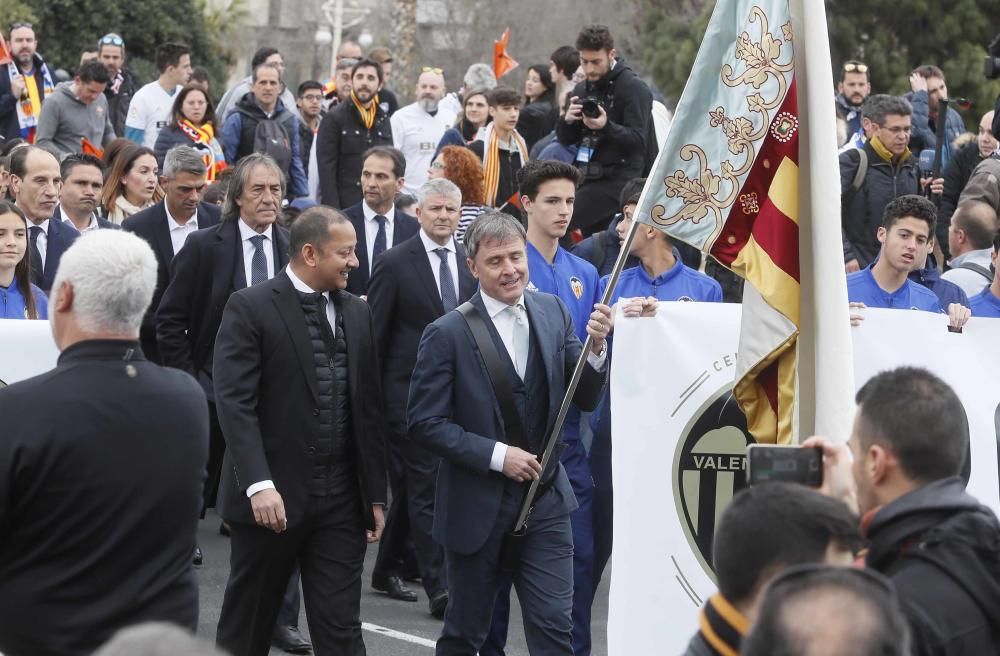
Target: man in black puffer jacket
(938, 544)
(610, 120)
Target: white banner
(28, 350)
(680, 440)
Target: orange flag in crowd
(503, 63)
(90, 149)
(5, 57)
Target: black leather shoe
(288, 638)
(224, 529)
(395, 588)
(439, 603)
(197, 559)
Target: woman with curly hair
(461, 166)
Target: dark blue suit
(59, 238)
(404, 227)
(453, 412)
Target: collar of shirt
(664, 277)
(430, 245)
(44, 225)
(977, 257)
(191, 223)
(301, 286)
(495, 307)
(246, 232)
(529, 247)
(874, 283)
(370, 214)
(65, 219)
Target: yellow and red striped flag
(736, 178)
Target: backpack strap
(860, 173)
(978, 268)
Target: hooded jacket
(941, 548)
(850, 114)
(119, 101)
(946, 291)
(620, 148)
(923, 135)
(65, 121)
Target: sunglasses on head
(429, 69)
(111, 40)
(20, 24)
(856, 68)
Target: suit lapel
(361, 250)
(224, 257)
(477, 301)
(426, 276)
(467, 284)
(539, 322)
(353, 325)
(286, 300)
(280, 248)
(161, 237)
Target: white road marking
(398, 635)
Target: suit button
(315, 412)
(311, 451)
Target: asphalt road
(416, 629)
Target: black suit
(102, 224)
(268, 399)
(151, 225)
(404, 299)
(102, 462)
(404, 227)
(205, 272)
(59, 237)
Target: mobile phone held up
(788, 464)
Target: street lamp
(341, 18)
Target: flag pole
(574, 382)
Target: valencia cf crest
(577, 286)
(709, 469)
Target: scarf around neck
(27, 113)
(204, 139)
(367, 113)
(491, 159)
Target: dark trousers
(600, 468)
(596, 202)
(216, 451)
(288, 615)
(329, 544)
(395, 550)
(576, 464)
(543, 580)
(406, 546)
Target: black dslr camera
(992, 63)
(591, 107)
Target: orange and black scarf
(367, 113)
(491, 160)
(215, 160)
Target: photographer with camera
(609, 120)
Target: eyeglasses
(428, 69)
(20, 24)
(312, 98)
(437, 165)
(855, 68)
(111, 40)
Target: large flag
(736, 178)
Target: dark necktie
(380, 239)
(37, 266)
(448, 296)
(258, 263)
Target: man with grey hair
(101, 497)
(342, 80)
(418, 127)
(487, 457)
(245, 248)
(479, 77)
(167, 225)
(403, 304)
(873, 176)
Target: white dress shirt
(371, 230)
(42, 242)
(504, 323)
(179, 232)
(430, 246)
(246, 232)
(331, 316)
(90, 226)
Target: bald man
(970, 242)
(418, 127)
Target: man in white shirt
(168, 224)
(970, 242)
(80, 194)
(149, 110)
(34, 182)
(488, 458)
(377, 223)
(412, 285)
(418, 127)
